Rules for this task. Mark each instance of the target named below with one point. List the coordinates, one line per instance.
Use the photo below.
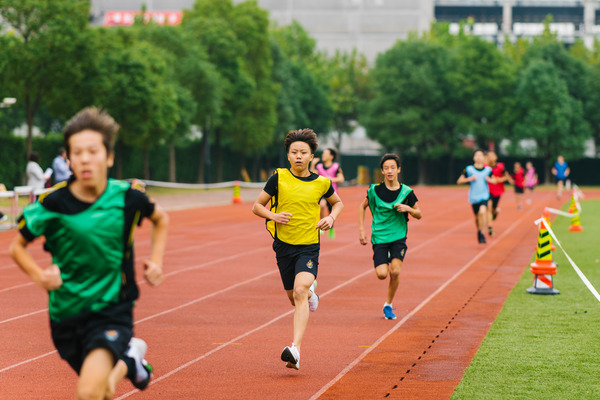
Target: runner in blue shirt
(478, 176)
(561, 171)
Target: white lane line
(414, 311)
(236, 339)
(24, 316)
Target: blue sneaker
(388, 312)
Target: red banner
(116, 18)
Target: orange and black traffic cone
(543, 268)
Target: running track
(217, 325)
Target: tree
(237, 42)
(128, 81)
(549, 114)
(195, 81)
(210, 23)
(300, 71)
(484, 82)
(347, 77)
(42, 37)
(409, 109)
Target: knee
(88, 392)
(382, 272)
(110, 393)
(300, 293)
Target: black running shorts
(477, 206)
(110, 328)
(384, 252)
(293, 259)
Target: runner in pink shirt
(332, 170)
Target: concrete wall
(371, 26)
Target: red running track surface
(217, 325)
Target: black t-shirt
(271, 185)
(389, 196)
(62, 201)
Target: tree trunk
(255, 168)
(219, 150)
(29, 120)
(146, 163)
(450, 178)
(202, 155)
(242, 166)
(338, 147)
(172, 167)
(547, 169)
(119, 160)
(422, 170)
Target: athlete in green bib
(293, 220)
(390, 203)
(88, 225)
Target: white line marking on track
(367, 272)
(27, 361)
(414, 311)
(23, 316)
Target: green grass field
(546, 347)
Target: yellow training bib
(301, 199)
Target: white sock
(140, 372)
(387, 304)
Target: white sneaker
(143, 371)
(291, 355)
(313, 301)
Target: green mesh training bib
(388, 224)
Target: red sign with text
(120, 18)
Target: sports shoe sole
(312, 308)
(288, 356)
(144, 384)
(143, 348)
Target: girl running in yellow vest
(293, 221)
(390, 203)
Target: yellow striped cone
(543, 268)
(575, 221)
(237, 193)
(546, 216)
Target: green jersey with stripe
(91, 243)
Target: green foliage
(42, 37)
(484, 82)
(303, 99)
(547, 112)
(410, 108)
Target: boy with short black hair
(478, 176)
(293, 221)
(88, 225)
(390, 203)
